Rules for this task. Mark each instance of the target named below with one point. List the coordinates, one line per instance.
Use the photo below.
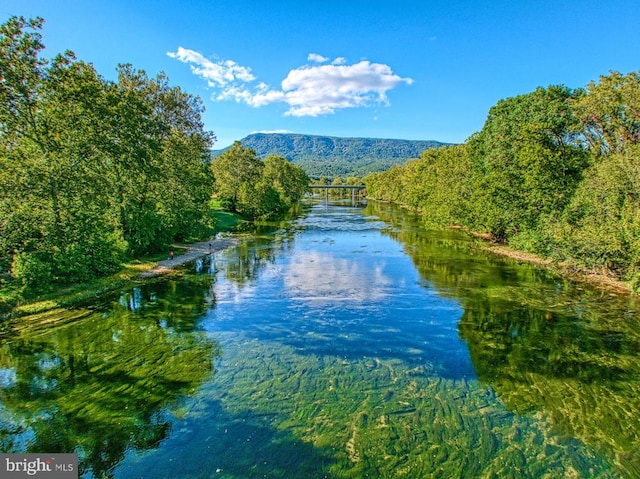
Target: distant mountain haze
(332, 156)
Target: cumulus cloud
(310, 90)
(323, 89)
(314, 57)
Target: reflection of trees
(249, 257)
(99, 385)
(176, 304)
(452, 262)
(581, 372)
(552, 343)
(544, 344)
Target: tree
(385, 186)
(290, 181)
(601, 225)
(446, 189)
(89, 169)
(232, 169)
(54, 221)
(526, 161)
(162, 180)
(610, 112)
(188, 186)
(258, 200)
(254, 188)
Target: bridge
(353, 188)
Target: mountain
(332, 156)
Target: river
(348, 342)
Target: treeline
(257, 188)
(93, 172)
(317, 168)
(331, 156)
(555, 172)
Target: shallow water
(349, 342)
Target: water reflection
(582, 372)
(547, 346)
(352, 348)
(364, 360)
(323, 278)
(104, 383)
(341, 293)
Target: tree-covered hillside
(332, 156)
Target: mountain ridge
(332, 156)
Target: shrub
(32, 272)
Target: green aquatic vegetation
(547, 346)
(100, 382)
(583, 375)
(338, 390)
(380, 418)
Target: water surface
(349, 342)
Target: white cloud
(309, 90)
(314, 57)
(219, 73)
(323, 89)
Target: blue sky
(427, 70)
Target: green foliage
(601, 225)
(161, 180)
(554, 172)
(332, 156)
(237, 166)
(525, 161)
(254, 188)
(53, 201)
(385, 186)
(436, 184)
(33, 272)
(90, 170)
(258, 200)
(110, 378)
(288, 180)
(610, 112)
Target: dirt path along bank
(192, 252)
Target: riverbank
(131, 272)
(188, 253)
(599, 280)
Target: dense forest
(93, 172)
(555, 172)
(333, 157)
